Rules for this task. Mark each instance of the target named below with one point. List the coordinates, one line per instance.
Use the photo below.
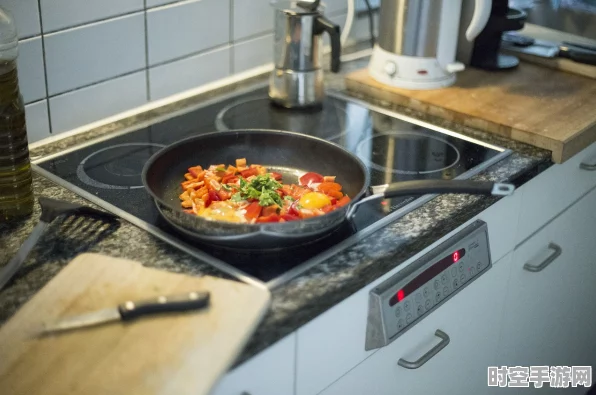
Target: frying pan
(292, 155)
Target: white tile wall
(83, 106)
(252, 17)
(31, 70)
(38, 124)
(26, 16)
(253, 53)
(102, 57)
(60, 14)
(187, 27)
(92, 53)
(185, 74)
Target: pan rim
(256, 226)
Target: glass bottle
(16, 189)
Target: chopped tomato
(249, 172)
(213, 196)
(253, 211)
(310, 177)
(269, 210)
(223, 195)
(293, 210)
(343, 201)
(207, 199)
(329, 186)
(229, 179)
(297, 191)
(328, 209)
(334, 194)
(286, 190)
(270, 218)
(276, 176)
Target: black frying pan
(288, 153)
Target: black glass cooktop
(393, 147)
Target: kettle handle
(322, 25)
(482, 10)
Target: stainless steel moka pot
(297, 79)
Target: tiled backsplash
(84, 60)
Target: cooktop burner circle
(118, 166)
(408, 153)
(328, 123)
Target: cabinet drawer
(470, 320)
(270, 372)
(554, 190)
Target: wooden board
(177, 354)
(546, 108)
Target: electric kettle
(297, 78)
(417, 42)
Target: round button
(472, 271)
(390, 68)
(428, 303)
(444, 279)
(453, 271)
(455, 283)
(478, 266)
(425, 292)
(461, 267)
(398, 311)
(437, 284)
(400, 324)
(407, 305)
(445, 291)
(438, 296)
(409, 318)
(462, 278)
(420, 309)
(418, 297)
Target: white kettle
(417, 42)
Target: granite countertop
(294, 303)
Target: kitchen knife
(547, 49)
(131, 310)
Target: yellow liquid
(16, 191)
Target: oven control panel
(401, 301)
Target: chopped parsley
(262, 187)
(226, 187)
(288, 197)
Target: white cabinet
(270, 372)
(470, 320)
(551, 298)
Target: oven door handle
(431, 353)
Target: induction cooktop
(394, 147)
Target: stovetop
(394, 148)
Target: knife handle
(164, 304)
(578, 55)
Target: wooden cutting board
(546, 108)
(178, 354)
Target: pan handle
(424, 187)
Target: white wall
(84, 60)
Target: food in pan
(252, 194)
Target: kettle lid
(292, 7)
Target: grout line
(147, 82)
(91, 23)
(128, 73)
(45, 68)
(36, 101)
(190, 55)
(253, 36)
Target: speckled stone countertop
(294, 303)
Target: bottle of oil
(16, 190)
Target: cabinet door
(269, 373)
(470, 319)
(549, 313)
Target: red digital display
(426, 276)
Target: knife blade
(547, 49)
(131, 310)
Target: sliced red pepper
(195, 171)
(270, 210)
(310, 177)
(290, 217)
(329, 186)
(276, 176)
(224, 195)
(249, 172)
(229, 179)
(207, 199)
(293, 210)
(334, 194)
(213, 196)
(343, 201)
(328, 209)
(253, 211)
(270, 218)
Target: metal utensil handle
(423, 187)
(431, 353)
(164, 304)
(13, 266)
(557, 251)
(578, 55)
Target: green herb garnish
(288, 197)
(226, 187)
(262, 187)
(220, 169)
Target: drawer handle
(556, 252)
(587, 166)
(431, 353)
